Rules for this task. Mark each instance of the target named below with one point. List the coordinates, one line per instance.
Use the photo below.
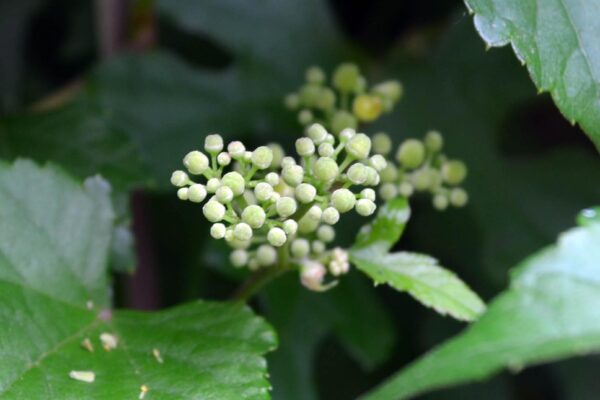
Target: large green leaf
(54, 239)
(558, 41)
(549, 312)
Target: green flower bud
(440, 202)
(212, 185)
(345, 77)
(305, 192)
(218, 230)
(411, 153)
(388, 191)
(290, 227)
(242, 231)
(454, 172)
(196, 193)
(213, 211)
(330, 216)
(359, 146)
(182, 193)
(305, 147)
(389, 173)
(196, 162)
(293, 175)
(272, 179)
(239, 244)
(382, 144)
(368, 193)
(406, 189)
(213, 144)
(361, 85)
(238, 258)
(365, 207)
(286, 206)
(287, 162)
(253, 264)
(325, 169)
(378, 162)
(318, 247)
(276, 237)
(300, 248)
(326, 150)
(292, 101)
(236, 150)
(235, 181)
(343, 200)
(391, 90)
(367, 108)
(314, 213)
(254, 216)
(421, 179)
(347, 134)
(263, 191)
(326, 99)
(308, 224)
(309, 95)
(357, 173)
(224, 194)
(278, 154)
(372, 177)
(224, 159)
(262, 157)
(317, 133)
(305, 117)
(341, 120)
(326, 233)
(179, 178)
(434, 141)
(458, 197)
(266, 255)
(315, 75)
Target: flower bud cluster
(347, 102)
(269, 207)
(422, 167)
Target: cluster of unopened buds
(277, 211)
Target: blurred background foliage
(126, 89)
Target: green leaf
(558, 41)
(549, 312)
(54, 240)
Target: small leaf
(558, 41)
(550, 311)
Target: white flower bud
(290, 227)
(326, 150)
(218, 230)
(315, 75)
(308, 224)
(325, 233)
(326, 169)
(276, 237)
(254, 216)
(434, 141)
(197, 193)
(235, 181)
(247, 156)
(382, 144)
(378, 162)
(318, 247)
(338, 268)
(236, 150)
(253, 264)
(440, 202)
(238, 258)
(314, 213)
(263, 191)
(359, 146)
(372, 176)
(179, 178)
(305, 192)
(406, 189)
(272, 179)
(357, 173)
(262, 157)
(213, 211)
(266, 255)
(212, 185)
(458, 197)
(300, 248)
(224, 194)
(196, 162)
(305, 147)
(278, 154)
(411, 153)
(275, 196)
(331, 216)
(292, 101)
(388, 191)
(242, 232)
(286, 206)
(182, 193)
(365, 207)
(239, 244)
(389, 173)
(312, 275)
(343, 200)
(347, 134)
(330, 139)
(213, 144)
(229, 234)
(368, 193)
(317, 133)
(305, 117)
(287, 161)
(293, 175)
(422, 179)
(224, 159)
